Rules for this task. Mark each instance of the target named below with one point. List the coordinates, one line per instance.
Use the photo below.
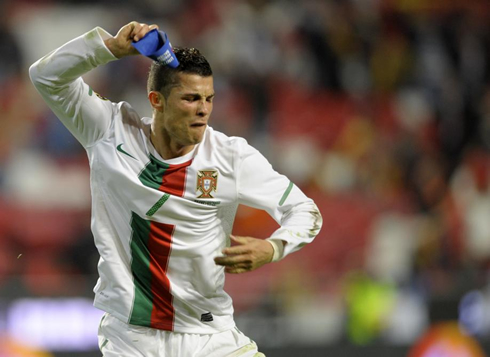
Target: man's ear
(157, 101)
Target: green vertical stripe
(140, 267)
(286, 193)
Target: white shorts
(119, 339)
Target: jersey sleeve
(57, 77)
(261, 187)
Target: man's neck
(167, 148)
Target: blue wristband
(155, 45)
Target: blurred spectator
(446, 339)
(369, 303)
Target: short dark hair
(162, 78)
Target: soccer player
(165, 192)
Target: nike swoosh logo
(124, 152)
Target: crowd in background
(377, 109)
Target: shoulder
(126, 121)
(130, 116)
(232, 144)
(222, 150)
(231, 149)
(125, 108)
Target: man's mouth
(198, 125)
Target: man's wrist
(97, 39)
(278, 247)
(111, 46)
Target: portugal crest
(207, 181)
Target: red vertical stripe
(173, 181)
(160, 246)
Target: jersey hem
(176, 328)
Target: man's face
(187, 109)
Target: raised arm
(57, 77)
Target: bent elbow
(317, 221)
(36, 76)
(33, 72)
(40, 74)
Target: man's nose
(204, 108)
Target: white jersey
(158, 223)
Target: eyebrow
(192, 94)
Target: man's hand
(120, 45)
(249, 254)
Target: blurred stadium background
(377, 109)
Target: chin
(198, 138)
